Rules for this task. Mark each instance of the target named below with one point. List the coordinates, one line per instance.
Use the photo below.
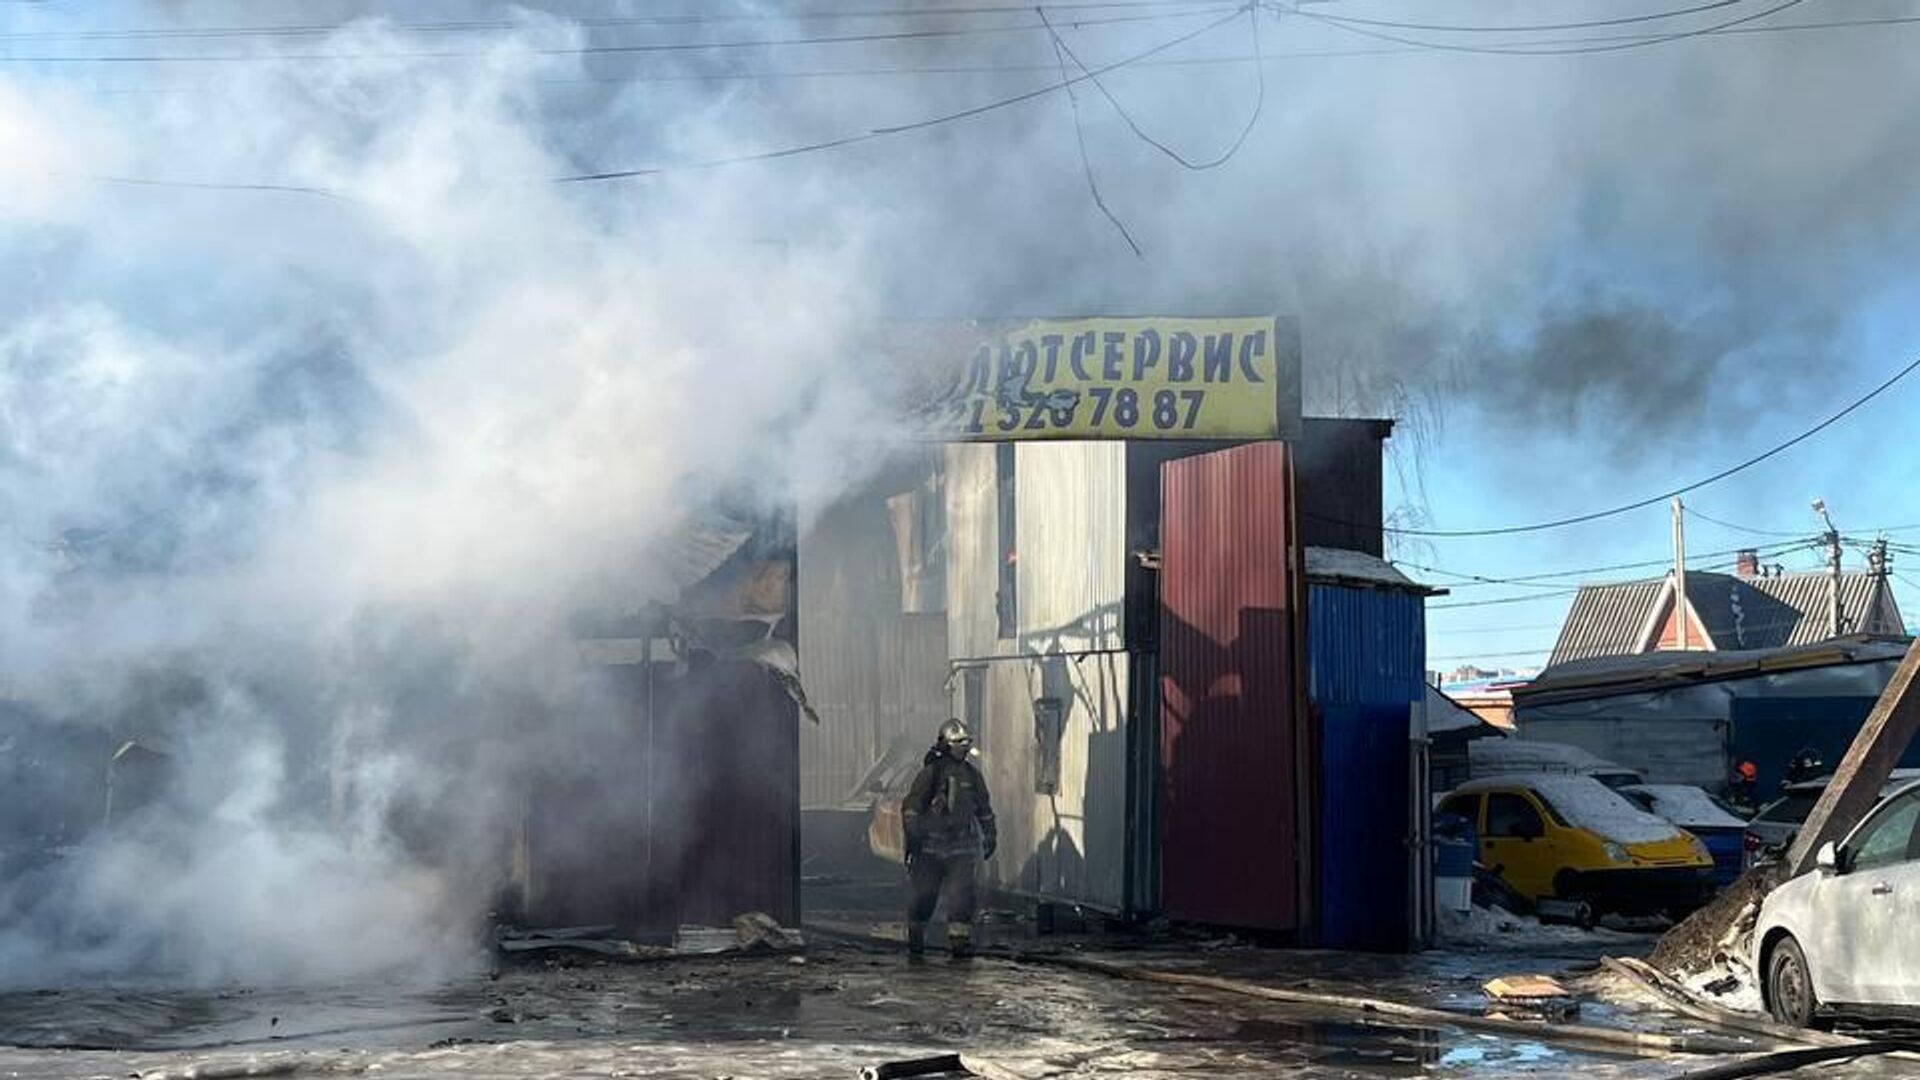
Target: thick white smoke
(306, 487)
(348, 465)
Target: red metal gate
(1229, 608)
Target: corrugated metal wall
(1229, 598)
(1072, 545)
(1366, 653)
(872, 672)
(1063, 831)
(973, 571)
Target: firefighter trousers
(954, 877)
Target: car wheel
(1790, 994)
(1565, 887)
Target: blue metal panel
(1365, 646)
(1770, 731)
(1366, 657)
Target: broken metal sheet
(704, 940)
(603, 946)
(594, 939)
(754, 931)
(783, 663)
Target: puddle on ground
(1393, 1051)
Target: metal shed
(1366, 662)
(1686, 717)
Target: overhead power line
(1744, 629)
(1552, 48)
(1141, 60)
(1542, 651)
(1518, 28)
(1572, 589)
(798, 150)
(1080, 140)
(901, 129)
(943, 70)
(1465, 630)
(925, 11)
(1613, 511)
(1503, 600)
(1691, 512)
(1259, 101)
(1545, 577)
(602, 50)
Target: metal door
(1233, 812)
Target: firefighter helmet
(955, 738)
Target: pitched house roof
(1607, 620)
(1736, 612)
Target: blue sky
(1480, 471)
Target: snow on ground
(1492, 928)
(1728, 987)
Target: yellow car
(1568, 837)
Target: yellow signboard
(1119, 378)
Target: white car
(1777, 823)
(1845, 938)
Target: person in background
(1744, 789)
(949, 826)
(1806, 765)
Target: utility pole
(1836, 614)
(1681, 608)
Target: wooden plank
(1865, 768)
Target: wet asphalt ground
(770, 1016)
(845, 1004)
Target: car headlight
(1616, 852)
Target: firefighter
(1744, 790)
(1806, 765)
(949, 830)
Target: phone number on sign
(1125, 408)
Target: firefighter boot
(916, 940)
(960, 941)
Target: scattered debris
(755, 931)
(1535, 996)
(926, 1066)
(1575, 912)
(704, 940)
(1718, 931)
(1614, 1038)
(1672, 993)
(599, 940)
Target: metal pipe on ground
(1789, 1060)
(1578, 1034)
